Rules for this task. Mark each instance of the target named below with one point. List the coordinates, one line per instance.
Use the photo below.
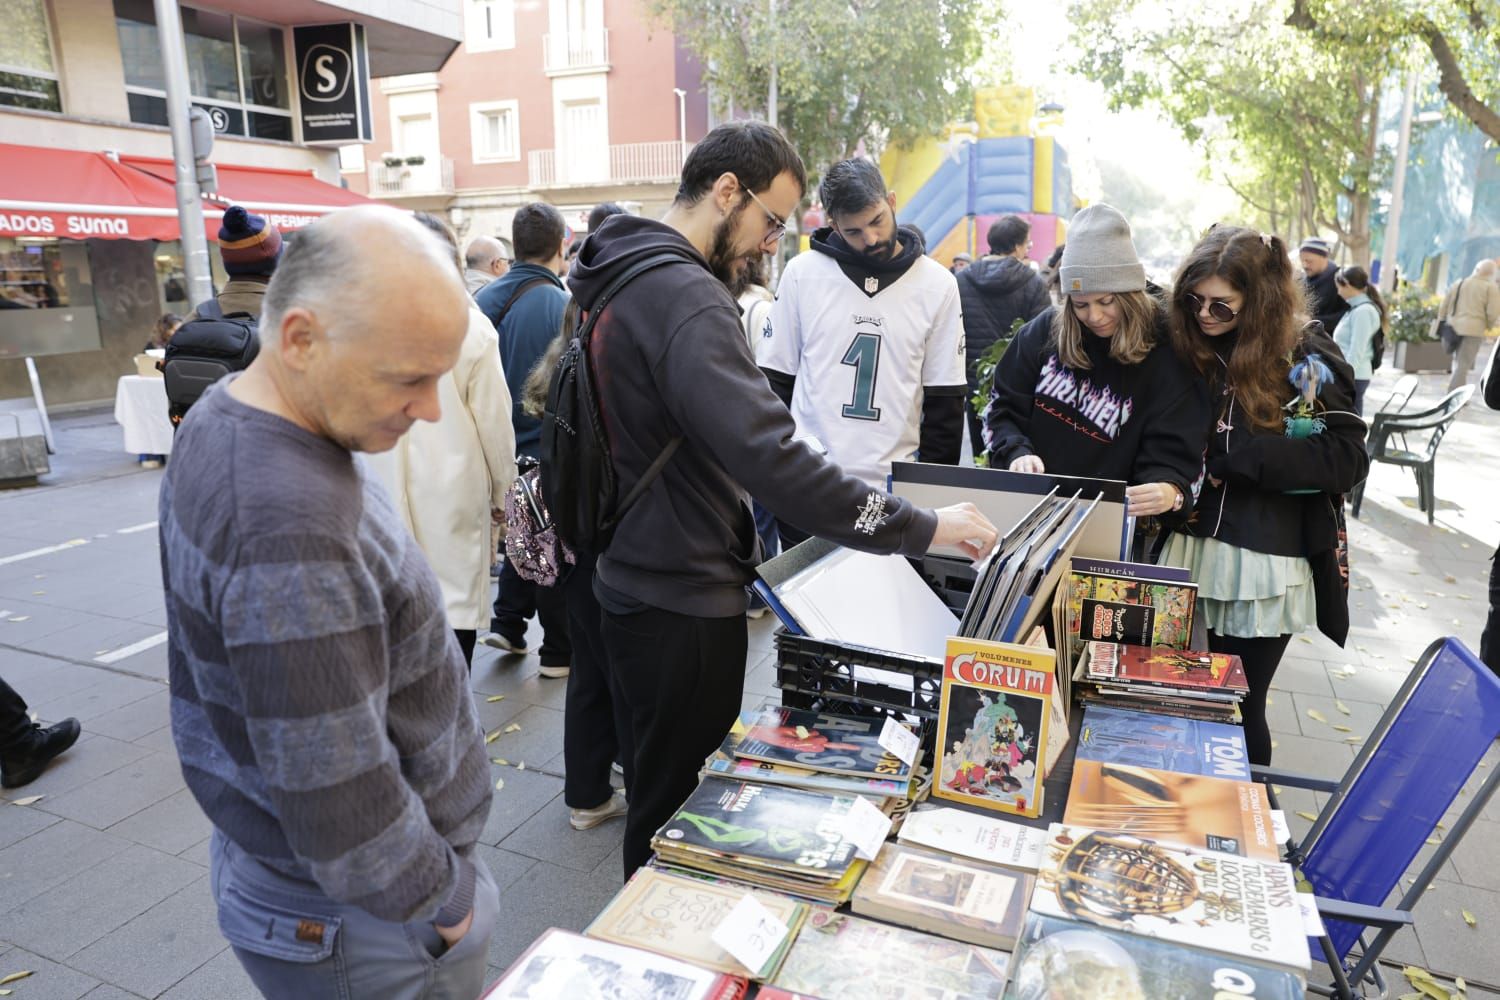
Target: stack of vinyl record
(1192, 684)
(785, 839)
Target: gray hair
(1485, 269)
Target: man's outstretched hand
(964, 527)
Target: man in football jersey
(865, 342)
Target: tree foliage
(849, 71)
(1290, 123)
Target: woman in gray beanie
(1267, 543)
(1092, 388)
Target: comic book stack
(1192, 684)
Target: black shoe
(25, 767)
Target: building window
(489, 25)
(495, 131)
(28, 78)
(352, 159)
(236, 70)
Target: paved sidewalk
(103, 884)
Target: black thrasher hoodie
(671, 359)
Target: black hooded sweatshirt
(1141, 423)
(1328, 305)
(671, 360)
(941, 432)
(995, 292)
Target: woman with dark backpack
(1266, 542)
(1362, 329)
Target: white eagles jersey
(862, 361)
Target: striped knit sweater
(320, 703)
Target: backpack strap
(515, 297)
(586, 331)
(210, 309)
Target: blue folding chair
(1421, 753)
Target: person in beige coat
(1472, 307)
(449, 478)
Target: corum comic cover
(1065, 960)
(1200, 898)
(1165, 742)
(992, 725)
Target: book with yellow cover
(993, 719)
(676, 916)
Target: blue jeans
(295, 942)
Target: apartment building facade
(572, 102)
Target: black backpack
(579, 484)
(204, 350)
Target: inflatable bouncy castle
(954, 186)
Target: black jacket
(1251, 507)
(670, 359)
(995, 292)
(1327, 304)
(1141, 423)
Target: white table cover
(141, 408)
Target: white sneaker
(619, 768)
(555, 672)
(497, 641)
(587, 819)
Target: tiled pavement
(103, 882)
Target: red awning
(77, 195)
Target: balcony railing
(629, 163)
(575, 52)
(434, 176)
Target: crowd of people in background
(324, 609)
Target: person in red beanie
(250, 247)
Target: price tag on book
(899, 740)
(866, 828)
(751, 933)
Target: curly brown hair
(1270, 318)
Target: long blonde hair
(1141, 316)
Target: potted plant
(984, 369)
(415, 161)
(1413, 312)
(391, 160)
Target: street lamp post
(1398, 191)
(200, 286)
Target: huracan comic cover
(992, 725)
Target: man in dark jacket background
(671, 361)
(995, 291)
(1327, 305)
(526, 306)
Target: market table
(141, 409)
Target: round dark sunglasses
(1218, 309)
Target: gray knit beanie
(1099, 255)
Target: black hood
(997, 275)
(618, 241)
(862, 268)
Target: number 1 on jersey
(864, 355)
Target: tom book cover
(1165, 742)
(1203, 899)
(993, 717)
(1187, 809)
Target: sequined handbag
(531, 542)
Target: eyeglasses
(1218, 308)
(778, 225)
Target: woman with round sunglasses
(1265, 544)
(1093, 388)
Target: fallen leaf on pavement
(1342, 707)
(500, 760)
(492, 737)
(28, 800)
(521, 766)
(499, 784)
(14, 977)
(20, 618)
(514, 727)
(1342, 729)
(1469, 919)
(1316, 716)
(495, 697)
(1310, 817)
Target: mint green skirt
(1244, 593)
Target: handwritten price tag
(900, 741)
(751, 933)
(866, 828)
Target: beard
(884, 251)
(722, 257)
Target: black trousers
(596, 726)
(16, 726)
(517, 599)
(1260, 657)
(466, 637)
(1489, 642)
(682, 679)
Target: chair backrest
(1410, 770)
(1452, 405)
(1405, 388)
